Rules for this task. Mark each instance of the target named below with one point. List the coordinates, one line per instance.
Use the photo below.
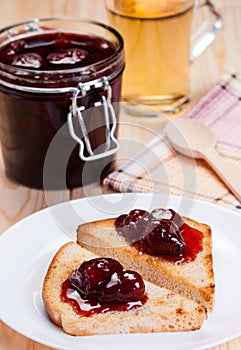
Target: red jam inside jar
(42, 65)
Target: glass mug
(58, 80)
(157, 35)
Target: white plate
(27, 248)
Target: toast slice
(193, 280)
(163, 311)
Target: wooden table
(18, 202)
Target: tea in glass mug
(157, 35)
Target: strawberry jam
(56, 51)
(193, 239)
(160, 233)
(42, 65)
(100, 285)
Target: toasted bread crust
(194, 280)
(163, 311)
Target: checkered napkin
(158, 168)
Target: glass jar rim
(118, 53)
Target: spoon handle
(230, 176)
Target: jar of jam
(59, 81)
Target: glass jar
(58, 80)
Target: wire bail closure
(111, 144)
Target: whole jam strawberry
(168, 214)
(162, 238)
(133, 225)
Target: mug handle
(208, 38)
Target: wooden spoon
(194, 139)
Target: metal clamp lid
(111, 144)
